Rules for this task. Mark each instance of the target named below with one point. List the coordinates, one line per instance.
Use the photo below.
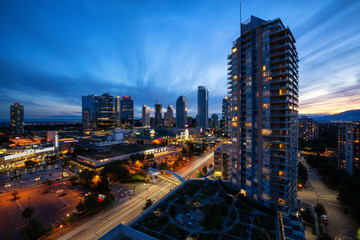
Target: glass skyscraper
(105, 112)
(117, 110)
(203, 108)
(169, 117)
(158, 115)
(17, 119)
(146, 116)
(263, 78)
(89, 111)
(127, 111)
(181, 112)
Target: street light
(7, 187)
(37, 179)
(61, 229)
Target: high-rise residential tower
(17, 119)
(89, 111)
(146, 116)
(263, 78)
(349, 147)
(226, 115)
(158, 115)
(127, 111)
(181, 112)
(214, 121)
(203, 107)
(169, 117)
(105, 112)
(308, 129)
(117, 111)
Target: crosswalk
(14, 210)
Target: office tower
(146, 116)
(169, 117)
(308, 129)
(214, 121)
(263, 78)
(117, 111)
(349, 147)
(181, 112)
(158, 115)
(226, 115)
(105, 112)
(203, 107)
(89, 111)
(127, 111)
(17, 119)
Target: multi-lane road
(340, 225)
(129, 209)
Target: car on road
(324, 219)
(62, 194)
(75, 212)
(46, 191)
(59, 191)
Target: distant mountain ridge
(351, 115)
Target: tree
(30, 164)
(28, 212)
(358, 234)
(198, 174)
(73, 179)
(204, 170)
(34, 230)
(147, 204)
(302, 174)
(80, 207)
(154, 165)
(320, 209)
(49, 183)
(91, 202)
(15, 193)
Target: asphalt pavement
(126, 211)
(340, 225)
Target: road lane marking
(333, 204)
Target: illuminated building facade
(226, 115)
(127, 111)
(181, 112)
(349, 147)
(158, 115)
(17, 119)
(117, 108)
(203, 108)
(146, 116)
(214, 121)
(169, 117)
(105, 112)
(89, 111)
(308, 129)
(263, 78)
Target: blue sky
(53, 52)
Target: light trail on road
(128, 210)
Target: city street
(126, 211)
(49, 207)
(340, 225)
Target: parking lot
(50, 206)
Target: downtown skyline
(51, 58)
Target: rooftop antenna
(240, 18)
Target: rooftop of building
(204, 209)
(117, 150)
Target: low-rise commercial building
(95, 160)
